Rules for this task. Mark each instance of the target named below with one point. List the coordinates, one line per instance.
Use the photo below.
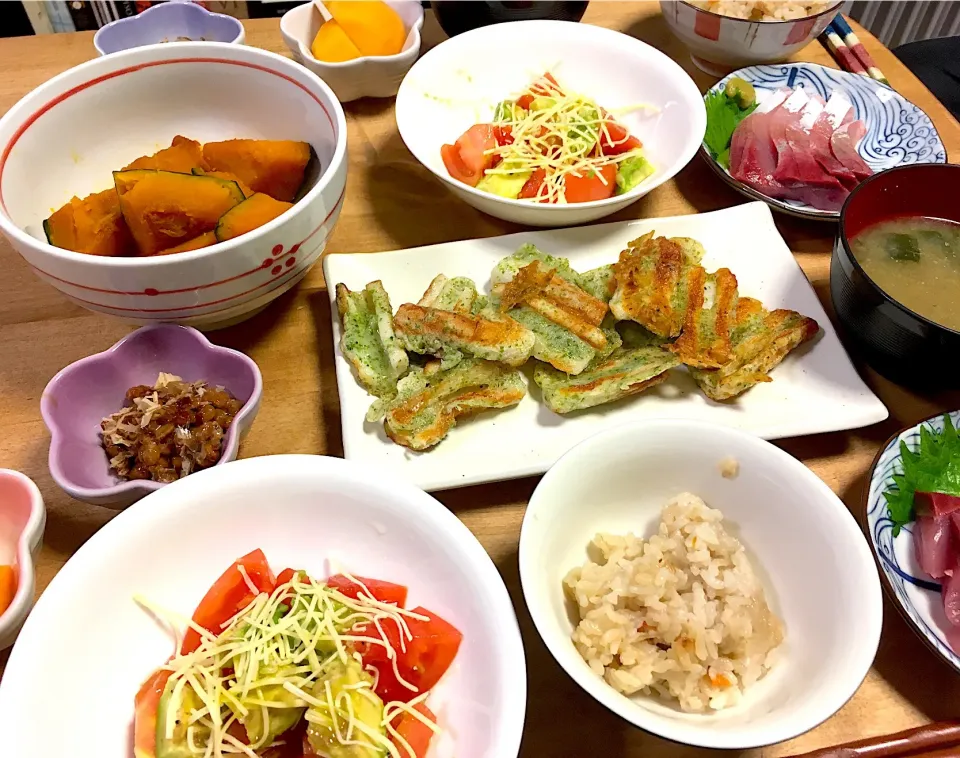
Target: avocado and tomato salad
(548, 146)
(288, 666)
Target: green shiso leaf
(934, 467)
(723, 118)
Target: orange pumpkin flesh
(247, 191)
(182, 156)
(93, 225)
(204, 240)
(274, 167)
(164, 209)
(252, 213)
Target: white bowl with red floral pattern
(68, 135)
(719, 44)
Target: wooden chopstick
(841, 53)
(940, 739)
(840, 30)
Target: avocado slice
(367, 709)
(283, 715)
(631, 172)
(176, 746)
(504, 185)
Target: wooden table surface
(392, 202)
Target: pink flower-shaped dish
(22, 518)
(82, 394)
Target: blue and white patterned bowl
(915, 594)
(898, 132)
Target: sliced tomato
(503, 134)
(456, 167)
(616, 140)
(421, 660)
(545, 86)
(385, 592)
(588, 185)
(532, 186)
(229, 595)
(286, 575)
(145, 720)
(413, 731)
(471, 155)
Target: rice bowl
(682, 615)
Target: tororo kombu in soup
(916, 261)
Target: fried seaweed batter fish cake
(431, 401)
(368, 341)
(761, 340)
(628, 371)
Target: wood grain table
(393, 203)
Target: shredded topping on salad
(286, 650)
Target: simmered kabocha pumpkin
(253, 212)
(92, 225)
(275, 167)
(164, 209)
(178, 198)
(184, 155)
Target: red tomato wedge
(287, 574)
(413, 731)
(545, 86)
(471, 155)
(385, 592)
(229, 595)
(532, 185)
(587, 186)
(145, 721)
(616, 140)
(503, 134)
(421, 661)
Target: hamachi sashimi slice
(934, 543)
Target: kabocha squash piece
(93, 225)
(253, 212)
(183, 155)
(164, 209)
(228, 176)
(275, 167)
(204, 240)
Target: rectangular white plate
(816, 389)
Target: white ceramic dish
(815, 390)
(915, 594)
(304, 511)
(22, 519)
(66, 137)
(819, 575)
(719, 44)
(460, 82)
(368, 76)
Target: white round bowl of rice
(700, 583)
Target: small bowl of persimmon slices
(190, 183)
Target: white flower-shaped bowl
(806, 546)
(168, 22)
(22, 519)
(367, 76)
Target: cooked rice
(771, 10)
(681, 615)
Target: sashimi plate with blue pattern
(915, 594)
(898, 132)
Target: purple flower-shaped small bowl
(168, 22)
(82, 394)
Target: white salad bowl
(459, 83)
(68, 135)
(311, 512)
(23, 517)
(806, 547)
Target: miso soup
(916, 261)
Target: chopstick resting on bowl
(849, 51)
(937, 740)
